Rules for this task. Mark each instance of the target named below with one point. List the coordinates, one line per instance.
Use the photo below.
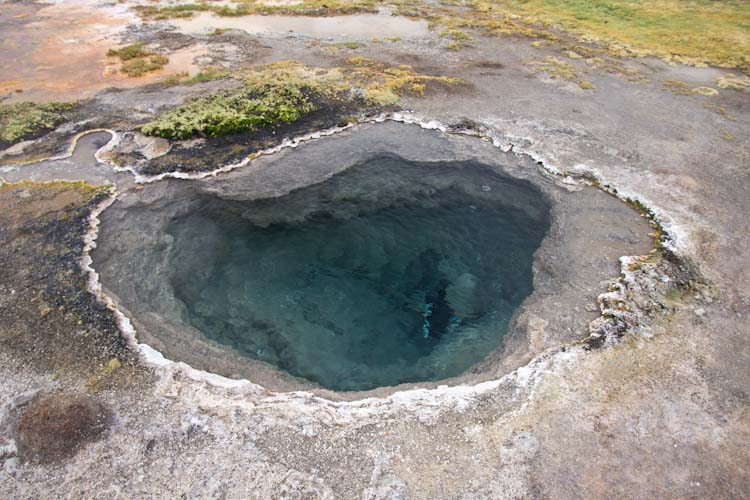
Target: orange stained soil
(59, 52)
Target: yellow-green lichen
(285, 91)
(25, 120)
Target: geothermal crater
(385, 257)
(390, 272)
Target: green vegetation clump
(336, 47)
(231, 112)
(208, 74)
(137, 61)
(455, 35)
(171, 11)
(384, 84)
(25, 120)
(458, 37)
(139, 67)
(284, 92)
(129, 52)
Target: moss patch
(27, 120)
(231, 112)
(129, 52)
(273, 102)
(385, 85)
(558, 69)
(139, 67)
(284, 92)
(137, 61)
(334, 48)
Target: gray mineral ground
(293, 249)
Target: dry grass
(715, 32)
(557, 69)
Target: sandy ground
(662, 413)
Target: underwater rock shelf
(376, 258)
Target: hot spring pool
(390, 272)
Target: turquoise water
(390, 272)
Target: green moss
(337, 46)
(231, 112)
(138, 61)
(285, 91)
(139, 67)
(208, 74)
(25, 120)
(129, 52)
(458, 38)
(455, 35)
(171, 11)
(555, 68)
(384, 84)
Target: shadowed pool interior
(390, 272)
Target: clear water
(351, 27)
(390, 272)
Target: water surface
(352, 27)
(390, 272)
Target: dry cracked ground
(626, 374)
